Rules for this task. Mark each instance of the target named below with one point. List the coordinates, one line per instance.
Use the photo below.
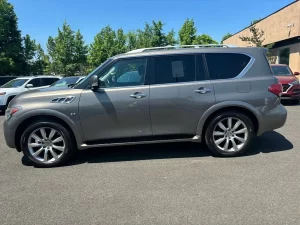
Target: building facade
(282, 29)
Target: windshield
(15, 83)
(281, 70)
(65, 81)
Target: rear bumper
(273, 119)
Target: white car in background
(16, 86)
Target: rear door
(180, 92)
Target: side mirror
(94, 82)
(296, 73)
(29, 86)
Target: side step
(137, 142)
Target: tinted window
(225, 65)
(36, 82)
(15, 83)
(200, 69)
(172, 69)
(281, 71)
(126, 72)
(65, 81)
(48, 81)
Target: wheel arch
(243, 107)
(49, 116)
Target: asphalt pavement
(158, 184)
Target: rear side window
(226, 65)
(48, 81)
(173, 69)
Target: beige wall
(274, 26)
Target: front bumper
(9, 130)
(292, 92)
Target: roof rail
(169, 47)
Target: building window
(284, 56)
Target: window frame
(147, 74)
(153, 73)
(241, 74)
(35, 79)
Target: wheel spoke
(229, 122)
(244, 130)
(53, 154)
(218, 133)
(240, 139)
(37, 138)
(219, 141)
(32, 145)
(237, 124)
(226, 144)
(57, 139)
(221, 125)
(46, 155)
(59, 148)
(52, 133)
(38, 152)
(234, 145)
(43, 133)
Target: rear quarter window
(226, 65)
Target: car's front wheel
(47, 144)
(229, 133)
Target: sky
(41, 18)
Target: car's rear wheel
(229, 133)
(47, 144)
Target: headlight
(11, 111)
(295, 82)
(2, 93)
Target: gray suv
(220, 95)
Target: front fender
(75, 126)
(223, 105)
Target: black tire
(212, 124)
(70, 146)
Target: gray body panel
(166, 109)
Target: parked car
(16, 86)
(219, 95)
(289, 81)
(5, 79)
(68, 81)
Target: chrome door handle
(203, 90)
(138, 95)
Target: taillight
(276, 89)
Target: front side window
(125, 72)
(281, 71)
(226, 65)
(35, 82)
(15, 83)
(173, 69)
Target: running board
(193, 139)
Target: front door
(120, 108)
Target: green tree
(131, 40)
(40, 64)
(11, 57)
(158, 35)
(187, 33)
(120, 42)
(204, 39)
(170, 38)
(67, 51)
(256, 39)
(103, 47)
(29, 47)
(226, 36)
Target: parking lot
(158, 184)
